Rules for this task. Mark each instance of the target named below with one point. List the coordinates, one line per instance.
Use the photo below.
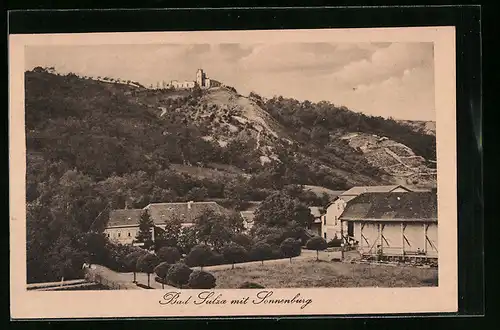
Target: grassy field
(309, 273)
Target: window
(335, 220)
(129, 234)
(108, 235)
(324, 234)
(324, 220)
(119, 234)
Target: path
(125, 279)
(305, 255)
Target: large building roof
(401, 206)
(355, 191)
(126, 217)
(162, 212)
(186, 212)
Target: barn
(395, 225)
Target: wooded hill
(94, 146)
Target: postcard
(233, 173)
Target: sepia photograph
(213, 164)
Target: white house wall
(124, 235)
(370, 238)
(392, 239)
(432, 236)
(415, 238)
(331, 227)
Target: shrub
(201, 280)
(178, 274)
(169, 254)
(250, 285)
(162, 270)
(147, 264)
(234, 253)
(317, 243)
(335, 242)
(216, 259)
(243, 240)
(261, 251)
(290, 248)
(199, 256)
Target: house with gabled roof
(331, 227)
(123, 225)
(394, 224)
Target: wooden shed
(394, 225)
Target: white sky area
(379, 79)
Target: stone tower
(200, 78)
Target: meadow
(312, 273)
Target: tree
(290, 248)
(169, 254)
(172, 231)
(234, 253)
(187, 239)
(199, 256)
(178, 274)
(201, 280)
(147, 264)
(317, 243)
(162, 270)
(130, 261)
(279, 209)
(216, 229)
(243, 240)
(145, 225)
(261, 251)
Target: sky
(379, 79)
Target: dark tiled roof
(355, 191)
(127, 217)
(161, 212)
(407, 206)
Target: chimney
(190, 203)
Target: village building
(123, 225)
(331, 226)
(315, 227)
(396, 225)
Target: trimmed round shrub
(261, 251)
(335, 242)
(318, 244)
(169, 254)
(250, 285)
(216, 259)
(147, 263)
(199, 256)
(290, 248)
(201, 280)
(162, 269)
(178, 274)
(234, 253)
